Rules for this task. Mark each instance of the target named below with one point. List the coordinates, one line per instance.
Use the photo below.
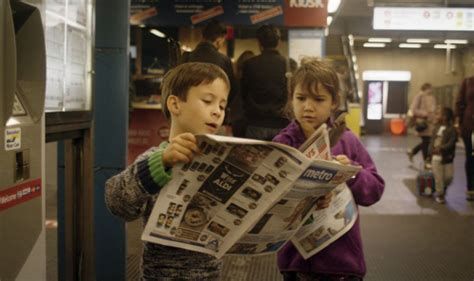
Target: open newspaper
(249, 197)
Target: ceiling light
(418, 40)
(455, 41)
(333, 5)
(374, 45)
(444, 46)
(141, 25)
(406, 45)
(157, 33)
(380, 40)
(386, 75)
(186, 48)
(328, 20)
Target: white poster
(305, 43)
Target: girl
(313, 96)
(442, 150)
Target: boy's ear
(173, 105)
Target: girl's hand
(181, 149)
(343, 159)
(323, 201)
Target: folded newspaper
(249, 197)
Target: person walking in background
(213, 38)
(313, 98)
(442, 150)
(422, 110)
(264, 87)
(465, 123)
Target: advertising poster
(310, 13)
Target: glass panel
(76, 62)
(77, 12)
(55, 69)
(68, 48)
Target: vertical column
(110, 133)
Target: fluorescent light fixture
(380, 40)
(444, 46)
(157, 33)
(418, 40)
(374, 45)
(408, 45)
(328, 20)
(354, 58)
(455, 41)
(141, 25)
(386, 75)
(333, 5)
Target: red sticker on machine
(19, 194)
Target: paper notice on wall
(12, 138)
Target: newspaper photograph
(228, 190)
(326, 225)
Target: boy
(442, 149)
(194, 98)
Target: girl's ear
(173, 105)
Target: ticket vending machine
(22, 92)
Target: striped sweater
(131, 195)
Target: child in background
(194, 98)
(441, 150)
(312, 99)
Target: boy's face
(204, 109)
(312, 110)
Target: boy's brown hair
(312, 72)
(180, 79)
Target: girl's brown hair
(313, 71)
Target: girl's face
(312, 109)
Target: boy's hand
(181, 149)
(343, 159)
(323, 201)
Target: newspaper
(243, 196)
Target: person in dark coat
(465, 122)
(264, 87)
(213, 38)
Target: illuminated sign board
(428, 18)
